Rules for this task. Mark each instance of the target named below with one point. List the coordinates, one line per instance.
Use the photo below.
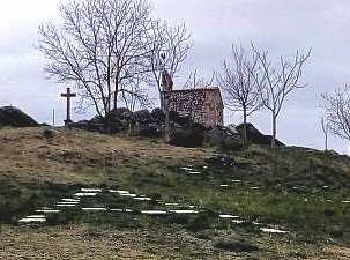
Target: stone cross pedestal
(68, 95)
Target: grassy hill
(302, 192)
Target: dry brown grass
(26, 156)
(78, 242)
(82, 242)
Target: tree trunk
(167, 119)
(245, 137)
(161, 98)
(273, 140)
(108, 101)
(326, 142)
(115, 100)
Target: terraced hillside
(77, 195)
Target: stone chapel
(204, 105)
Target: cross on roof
(68, 95)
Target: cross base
(68, 122)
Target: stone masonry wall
(205, 106)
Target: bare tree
(196, 80)
(95, 47)
(168, 47)
(241, 91)
(277, 81)
(337, 109)
(325, 129)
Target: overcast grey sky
(282, 26)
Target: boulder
(222, 134)
(256, 137)
(187, 136)
(12, 116)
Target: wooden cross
(68, 95)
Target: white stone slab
(121, 192)
(184, 211)
(228, 216)
(48, 211)
(32, 220)
(187, 169)
(128, 194)
(71, 200)
(171, 204)
(83, 194)
(224, 185)
(91, 190)
(153, 212)
(272, 230)
(36, 216)
(66, 205)
(143, 199)
(94, 209)
(238, 221)
(194, 172)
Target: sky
(281, 26)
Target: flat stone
(89, 190)
(228, 216)
(48, 211)
(71, 200)
(143, 199)
(94, 209)
(128, 194)
(66, 205)
(153, 212)
(121, 192)
(171, 204)
(184, 211)
(82, 194)
(36, 216)
(238, 221)
(33, 219)
(272, 230)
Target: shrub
(240, 246)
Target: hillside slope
(303, 193)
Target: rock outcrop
(254, 135)
(184, 131)
(12, 116)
